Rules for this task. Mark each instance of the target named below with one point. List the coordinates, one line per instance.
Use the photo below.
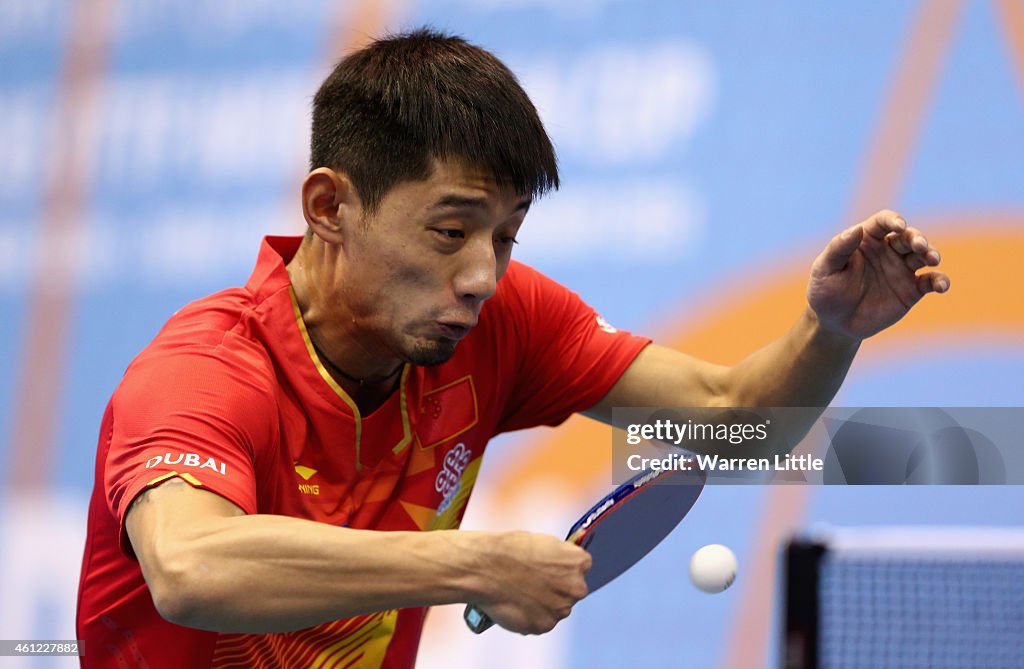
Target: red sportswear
(231, 397)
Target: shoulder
(207, 346)
(228, 322)
(206, 321)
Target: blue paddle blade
(624, 526)
(643, 511)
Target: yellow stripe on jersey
(188, 478)
(402, 392)
(370, 640)
(327, 375)
(406, 428)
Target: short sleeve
(196, 415)
(569, 357)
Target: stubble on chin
(431, 352)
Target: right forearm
(263, 573)
(210, 566)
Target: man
(257, 448)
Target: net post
(802, 559)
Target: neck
(342, 347)
(362, 381)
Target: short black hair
(388, 110)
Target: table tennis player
(281, 472)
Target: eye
(450, 233)
(508, 241)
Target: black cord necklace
(369, 380)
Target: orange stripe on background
(889, 154)
(577, 455)
(353, 26)
(982, 297)
(971, 311)
(39, 390)
(1012, 14)
(726, 336)
(577, 458)
(892, 146)
(365, 23)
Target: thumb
(839, 249)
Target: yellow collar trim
(402, 396)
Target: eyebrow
(468, 202)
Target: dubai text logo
(187, 460)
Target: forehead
(459, 174)
(453, 183)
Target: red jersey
(231, 396)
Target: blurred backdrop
(708, 151)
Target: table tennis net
(905, 598)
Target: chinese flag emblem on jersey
(446, 412)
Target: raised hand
(866, 278)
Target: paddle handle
(476, 620)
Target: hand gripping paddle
(624, 526)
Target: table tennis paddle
(624, 526)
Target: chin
(430, 352)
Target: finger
(932, 282)
(588, 562)
(908, 241)
(917, 242)
(884, 222)
(898, 244)
(840, 248)
(914, 262)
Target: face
(417, 272)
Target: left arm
(864, 281)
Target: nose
(477, 277)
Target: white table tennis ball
(713, 568)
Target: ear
(330, 204)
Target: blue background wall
(708, 151)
